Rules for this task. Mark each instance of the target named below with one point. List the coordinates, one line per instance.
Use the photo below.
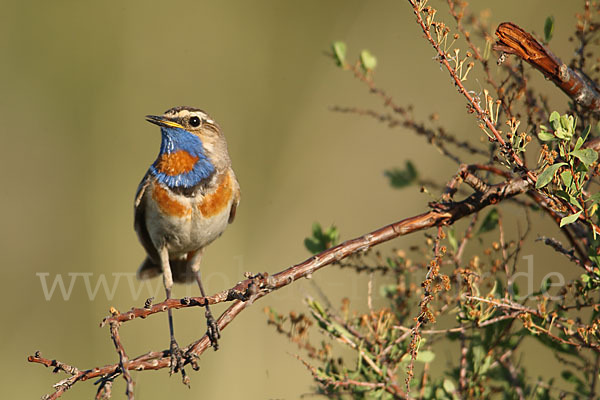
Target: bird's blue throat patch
(181, 162)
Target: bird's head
(192, 147)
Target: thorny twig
(526, 312)
(458, 17)
(389, 387)
(473, 103)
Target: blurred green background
(77, 79)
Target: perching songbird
(184, 202)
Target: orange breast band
(176, 163)
(169, 205)
(216, 201)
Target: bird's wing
(139, 222)
(141, 190)
(234, 204)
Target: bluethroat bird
(184, 202)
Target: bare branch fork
(255, 287)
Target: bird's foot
(212, 331)
(177, 359)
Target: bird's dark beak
(162, 121)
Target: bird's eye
(195, 121)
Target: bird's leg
(212, 331)
(176, 353)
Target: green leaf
(427, 391)
(477, 357)
(554, 119)
(546, 176)
(452, 239)
(568, 197)
(583, 137)
(562, 133)
(316, 306)
(548, 28)
(586, 156)
(400, 178)
(339, 53)
(425, 356)
(570, 219)
(368, 60)
(489, 222)
(332, 234)
(546, 136)
(440, 394)
(546, 285)
(312, 245)
(564, 126)
(595, 198)
(487, 362)
(449, 386)
(594, 258)
(567, 178)
(586, 132)
(316, 229)
(567, 122)
(321, 240)
(388, 290)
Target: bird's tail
(179, 269)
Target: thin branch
(465, 239)
(186, 302)
(114, 333)
(549, 205)
(570, 254)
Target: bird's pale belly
(179, 223)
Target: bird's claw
(177, 358)
(213, 332)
